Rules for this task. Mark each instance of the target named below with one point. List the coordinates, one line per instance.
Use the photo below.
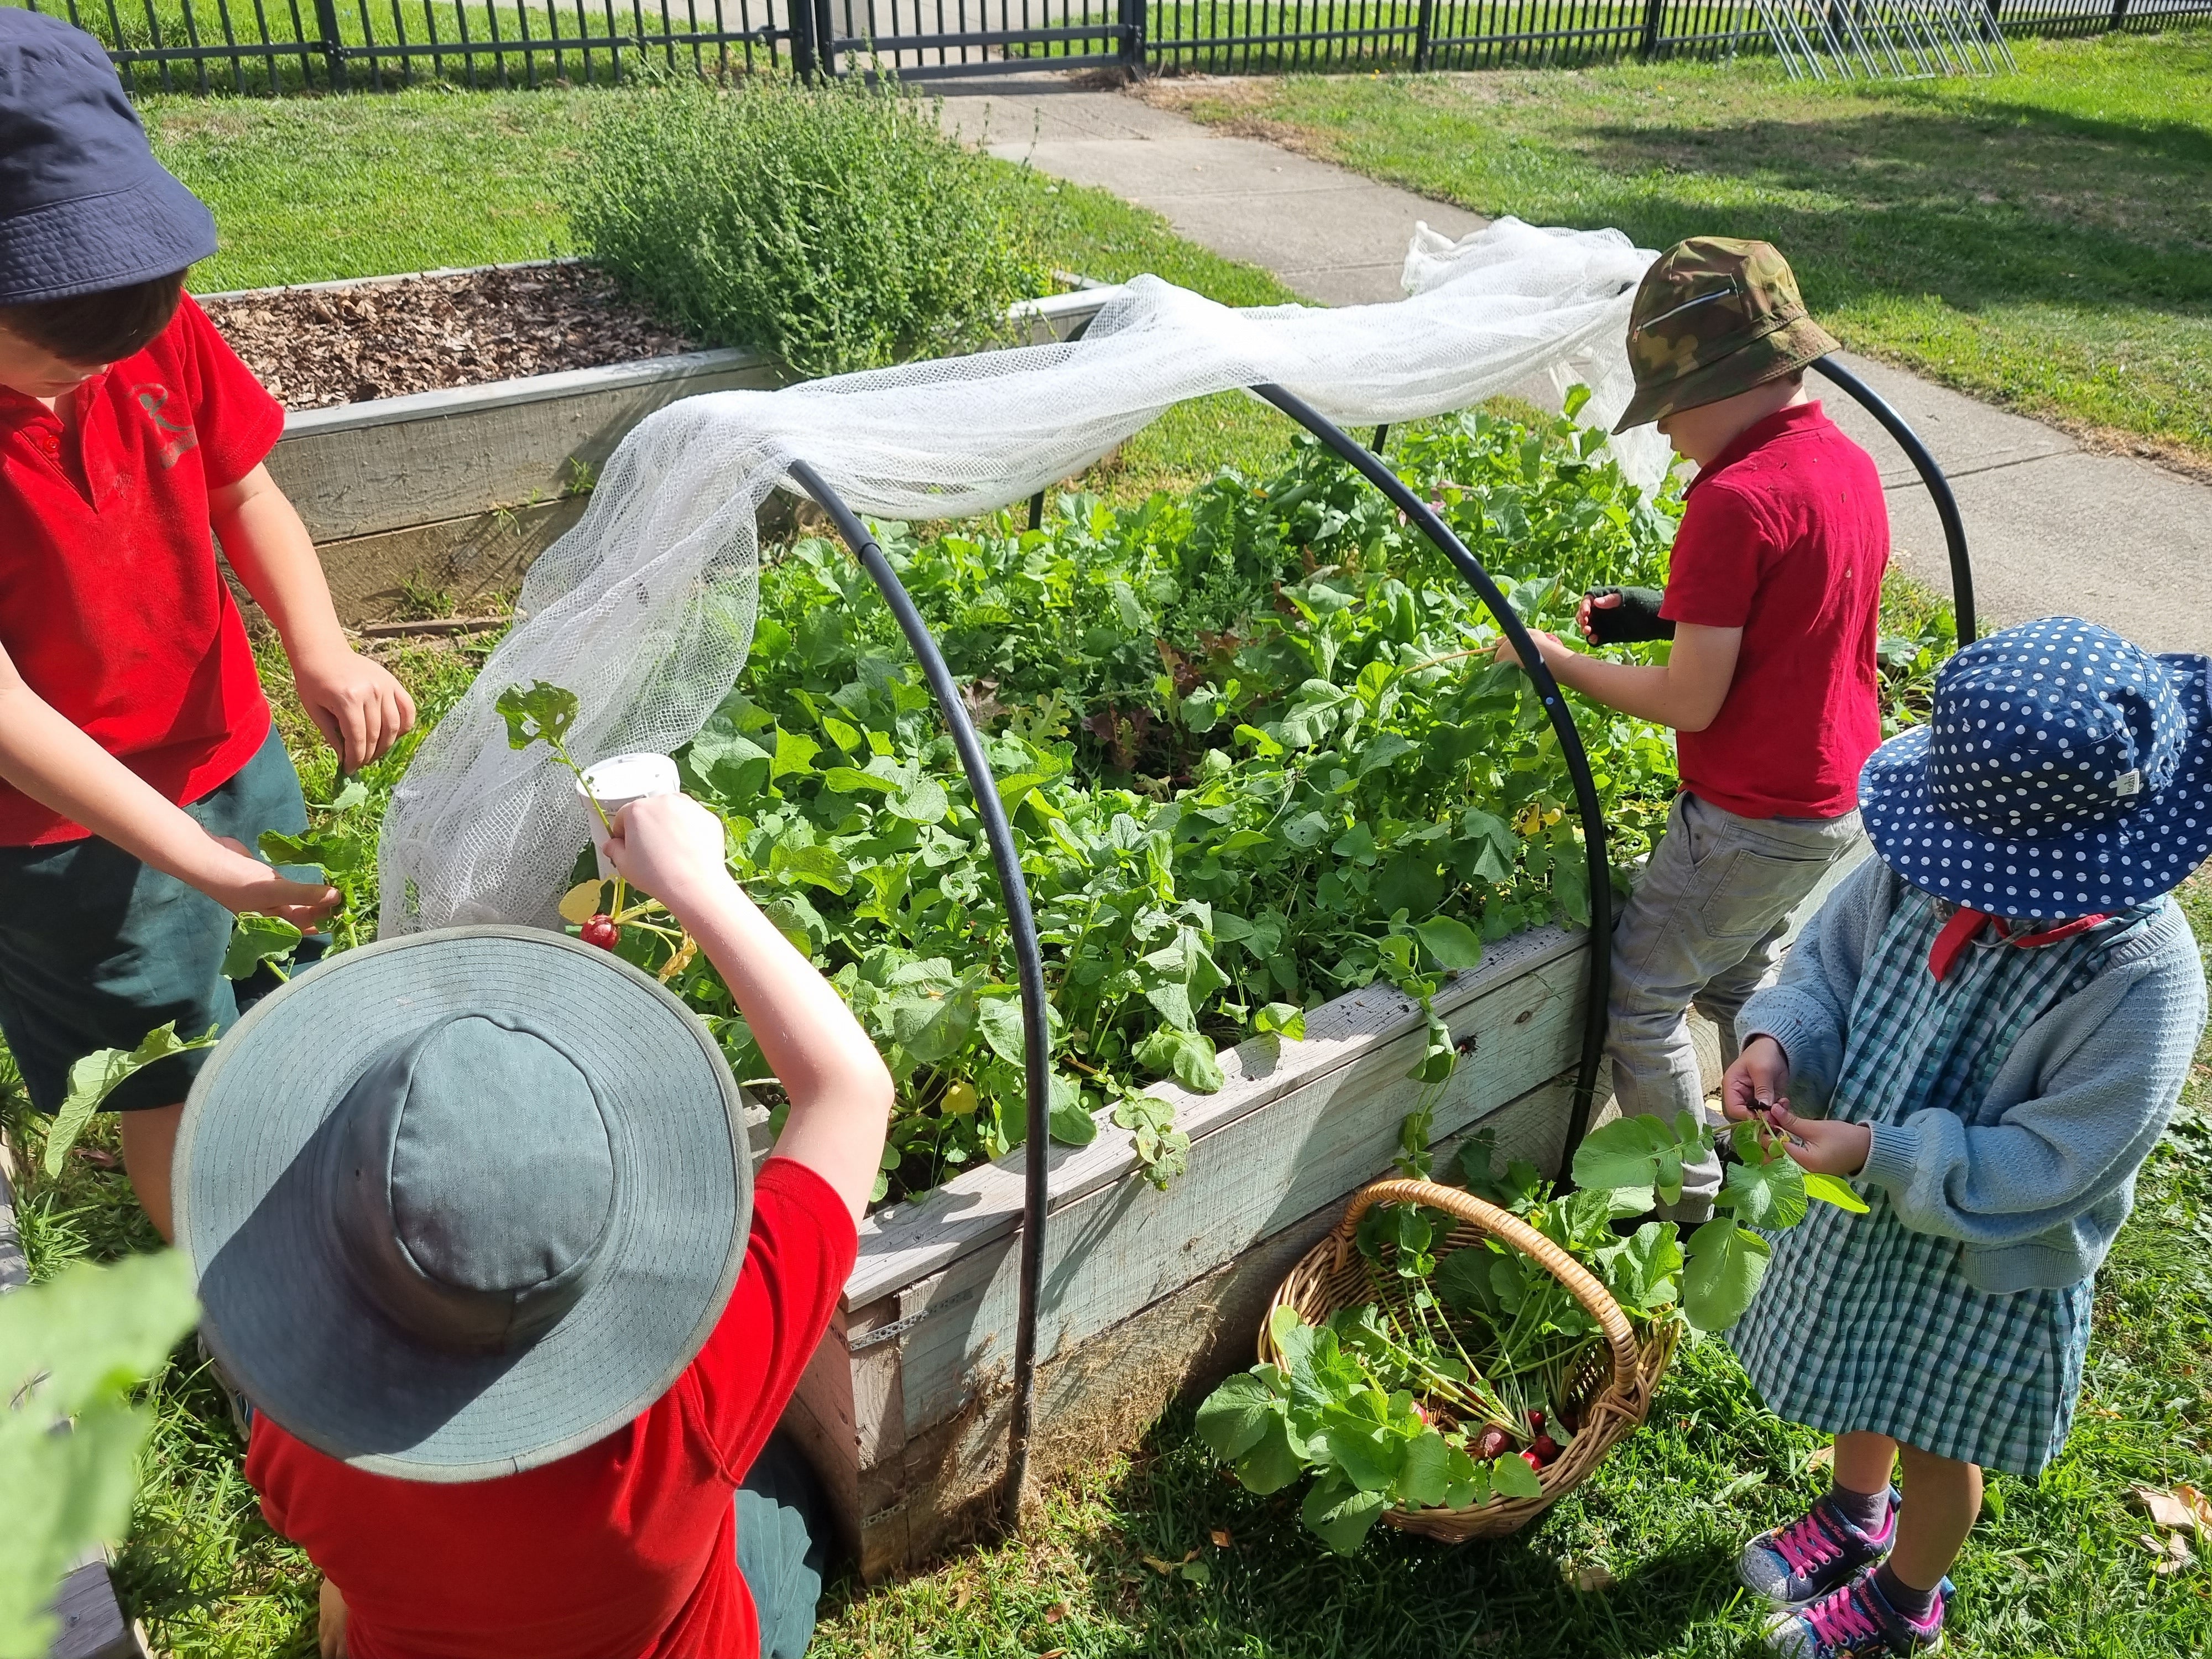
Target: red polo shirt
(112, 605)
(624, 1550)
(1786, 535)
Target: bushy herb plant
(834, 227)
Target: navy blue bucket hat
(2063, 772)
(83, 204)
(463, 1202)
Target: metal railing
(265, 46)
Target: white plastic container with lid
(616, 782)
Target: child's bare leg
(1942, 1498)
(149, 1141)
(1863, 1462)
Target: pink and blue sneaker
(1796, 1564)
(1857, 1621)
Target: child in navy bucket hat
(138, 763)
(1985, 1029)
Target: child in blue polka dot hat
(1985, 1029)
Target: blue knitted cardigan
(2036, 1197)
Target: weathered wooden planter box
(1148, 1295)
(458, 490)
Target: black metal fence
(262, 46)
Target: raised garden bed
(1259, 772)
(453, 491)
(321, 344)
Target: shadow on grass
(2034, 207)
(1275, 1589)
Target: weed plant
(836, 228)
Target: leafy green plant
(1640, 1160)
(835, 226)
(1477, 1343)
(1252, 746)
(339, 850)
(100, 1073)
(70, 1351)
(1457, 1380)
(1254, 753)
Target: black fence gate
(265, 47)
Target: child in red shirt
(138, 768)
(469, 1210)
(1772, 602)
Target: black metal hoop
(1029, 963)
(1418, 512)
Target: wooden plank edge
(906, 1242)
(338, 283)
(448, 401)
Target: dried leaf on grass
(1221, 1538)
(1056, 1613)
(1823, 1459)
(1590, 1578)
(2179, 1509)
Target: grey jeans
(1703, 929)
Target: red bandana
(1965, 924)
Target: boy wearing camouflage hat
(1771, 602)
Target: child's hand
(671, 846)
(1546, 643)
(360, 710)
(1760, 1076)
(241, 883)
(1821, 1145)
(1593, 602)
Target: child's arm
(1793, 1031)
(1685, 693)
(671, 846)
(55, 764)
(2108, 1065)
(359, 708)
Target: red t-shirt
(624, 1550)
(112, 606)
(1786, 535)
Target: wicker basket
(1609, 1392)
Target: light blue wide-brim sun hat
(464, 1202)
(2064, 771)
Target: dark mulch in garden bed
(315, 348)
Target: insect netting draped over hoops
(646, 609)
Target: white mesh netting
(645, 610)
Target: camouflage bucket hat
(1715, 316)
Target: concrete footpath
(2049, 526)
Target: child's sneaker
(1793, 1564)
(1855, 1622)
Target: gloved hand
(1623, 615)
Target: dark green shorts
(96, 950)
(783, 1545)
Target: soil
(317, 347)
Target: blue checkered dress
(1864, 1325)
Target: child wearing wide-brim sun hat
(1998, 1011)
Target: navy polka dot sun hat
(2062, 772)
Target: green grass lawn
(2043, 239)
